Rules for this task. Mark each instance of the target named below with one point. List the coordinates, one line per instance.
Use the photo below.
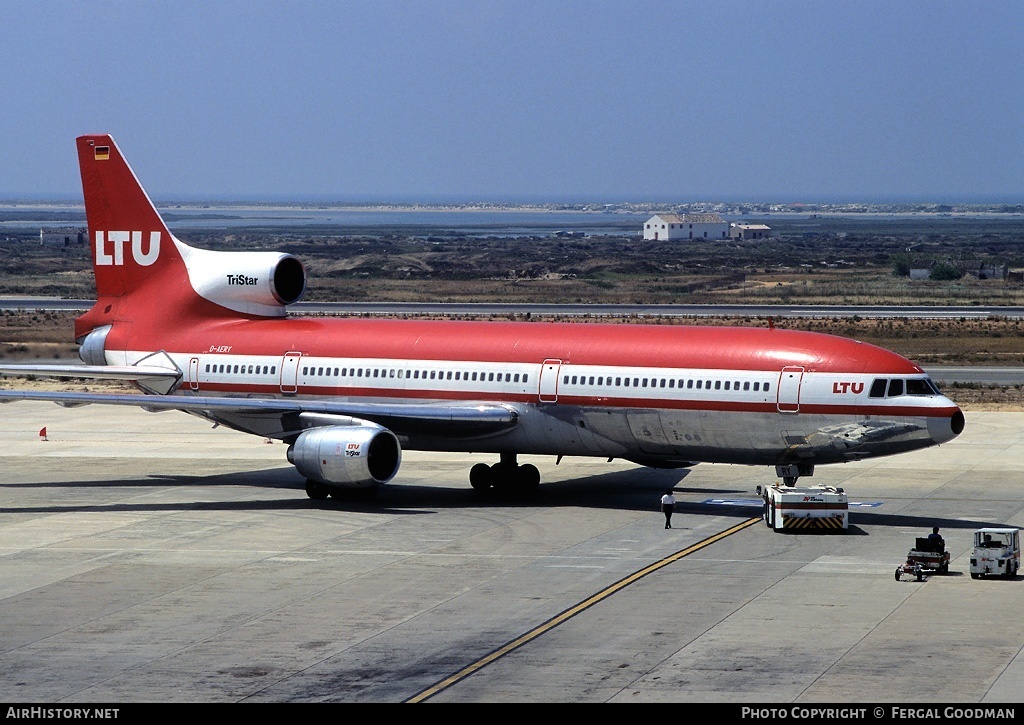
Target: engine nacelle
(362, 456)
(92, 347)
(256, 283)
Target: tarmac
(150, 558)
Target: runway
(149, 558)
(567, 309)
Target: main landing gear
(505, 475)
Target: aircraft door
(193, 373)
(548, 387)
(790, 380)
(290, 372)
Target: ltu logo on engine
(110, 248)
(241, 279)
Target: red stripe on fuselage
(658, 346)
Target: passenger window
(767, 386)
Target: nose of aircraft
(946, 428)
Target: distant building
(750, 231)
(670, 227)
(65, 237)
(993, 270)
(921, 270)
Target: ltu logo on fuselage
(110, 248)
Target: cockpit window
(918, 386)
(884, 387)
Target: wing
(284, 417)
(266, 416)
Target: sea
(469, 222)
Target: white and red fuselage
(659, 395)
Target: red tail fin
(132, 249)
(130, 242)
(144, 274)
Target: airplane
(207, 332)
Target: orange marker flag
(42, 434)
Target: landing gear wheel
(529, 477)
(316, 490)
(898, 572)
(480, 477)
(505, 476)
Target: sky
(520, 101)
